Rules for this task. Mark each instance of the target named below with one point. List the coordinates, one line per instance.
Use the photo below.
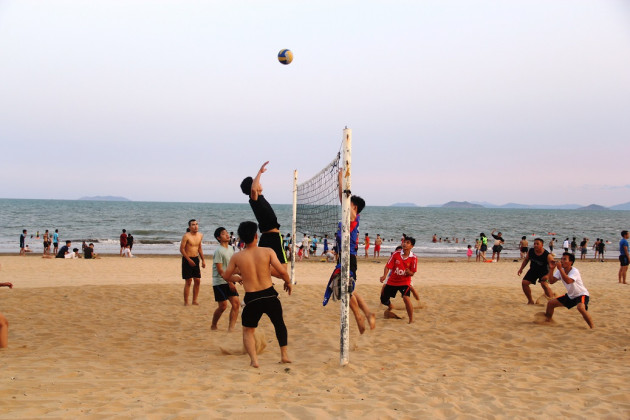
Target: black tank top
(539, 262)
(265, 215)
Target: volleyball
(285, 56)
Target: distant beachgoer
(224, 291)
(469, 252)
(601, 248)
(624, 256)
(377, 245)
(46, 240)
(23, 242)
(74, 254)
(305, 243)
(566, 245)
(596, 249)
(255, 264)
(403, 265)
(4, 323)
(123, 241)
(127, 252)
(477, 250)
(576, 295)
(551, 243)
(573, 245)
(524, 246)
(497, 247)
(434, 239)
(64, 250)
(314, 245)
(192, 251)
(266, 217)
(367, 244)
(483, 239)
(326, 248)
(55, 242)
(89, 254)
(583, 248)
(541, 261)
(130, 241)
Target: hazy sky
(499, 101)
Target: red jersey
(398, 264)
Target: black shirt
(62, 252)
(538, 263)
(265, 215)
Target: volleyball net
(316, 211)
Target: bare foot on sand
(254, 365)
(361, 325)
(372, 321)
(388, 314)
(195, 303)
(214, 327)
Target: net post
(344, 354)
(293, 228)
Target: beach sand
(111, 338)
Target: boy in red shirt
(403, 265)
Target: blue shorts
(571, 302)
(223, 292)
(623, 260)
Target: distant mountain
(593, 207)
(404, 205)
(104, 198)
(461, 205)
(624, 206)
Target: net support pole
(344, 354)
(293, 228)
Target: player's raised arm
(256, 186)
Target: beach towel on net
(333, 289)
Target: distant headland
(104, 198)
(486, 205)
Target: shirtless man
(524, 246)
(377, 245)
(541, 262)
(191, 252)
(270, 236)
(255, 264)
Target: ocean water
(158, 227)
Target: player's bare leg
(284, 356)
(196, 291)
(249, 342)
(217, 314)
(409, 308)
(551, 305)
(528, 293)
(236, 305)
(187, 291)
(587, 317)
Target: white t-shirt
(576, 288)
(565, 244)
(71, 255)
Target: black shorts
(273, 240)
(570, 303)
(264, 302)
(483, 248)
(222, 292)
(497, 249)
(189, 272)
(583, 251)
(524, 249)
(390, 292)
(623, 260)
(533, 275)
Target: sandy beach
(111, 338)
